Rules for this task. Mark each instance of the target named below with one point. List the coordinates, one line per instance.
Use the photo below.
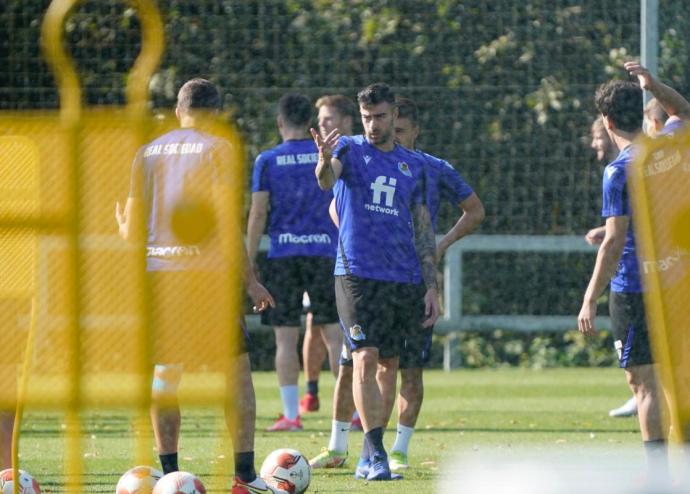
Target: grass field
(464, 411)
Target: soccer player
(606, 151)
(334, 112)
(185, 166)
(303, 243)
(444, 183)
(386, 249)
(677, 107)
(620, 105)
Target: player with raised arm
(677, 107)
(444, 183)
(620, 105)
(334, 112)
(186, 166)
(303, 244)
(386, 249)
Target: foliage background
(505, 90)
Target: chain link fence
(505, 90)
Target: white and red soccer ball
(138, 480)
(179, 483)
(286, 469)
(27, 484)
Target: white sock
(402, 439)
(339, 435)
(290, 396)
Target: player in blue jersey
(335, 111)
(303, 244)
(620, 105)
(173, 176)
(386, 249)
(444, 183)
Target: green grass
(464, 411)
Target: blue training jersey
(179, 166)
(670, 128)
(616, 203)
(298, 221)
(444, 183)
(374, 198)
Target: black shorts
(287, 278)
(189, 325)
(629, 328)
(380, 314)
(417, 349)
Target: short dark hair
(295, 109)
(197, 94)
(344, 105)
(375, 94)
(621, 102)
(407, 108)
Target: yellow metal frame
(71, 119)
(661, 336)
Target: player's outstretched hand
(596, 235)
(431, 307)
(261, 298)
(643, 75)
(585, 321)
(327, 144)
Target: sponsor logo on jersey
(661, 265)
(173, 251)
(383, 193)
(404, 169)
(356, 333)
(291, 238)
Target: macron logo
(291, 238)
(367, 159)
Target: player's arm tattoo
(425, 244)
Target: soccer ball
(179, 483)
(27, 484)
(286, 469)
(138, 480)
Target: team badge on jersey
(356, 333)
(404, 168)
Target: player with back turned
(191, 166)
(385, 270)
(303, 244)
(620, 106)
